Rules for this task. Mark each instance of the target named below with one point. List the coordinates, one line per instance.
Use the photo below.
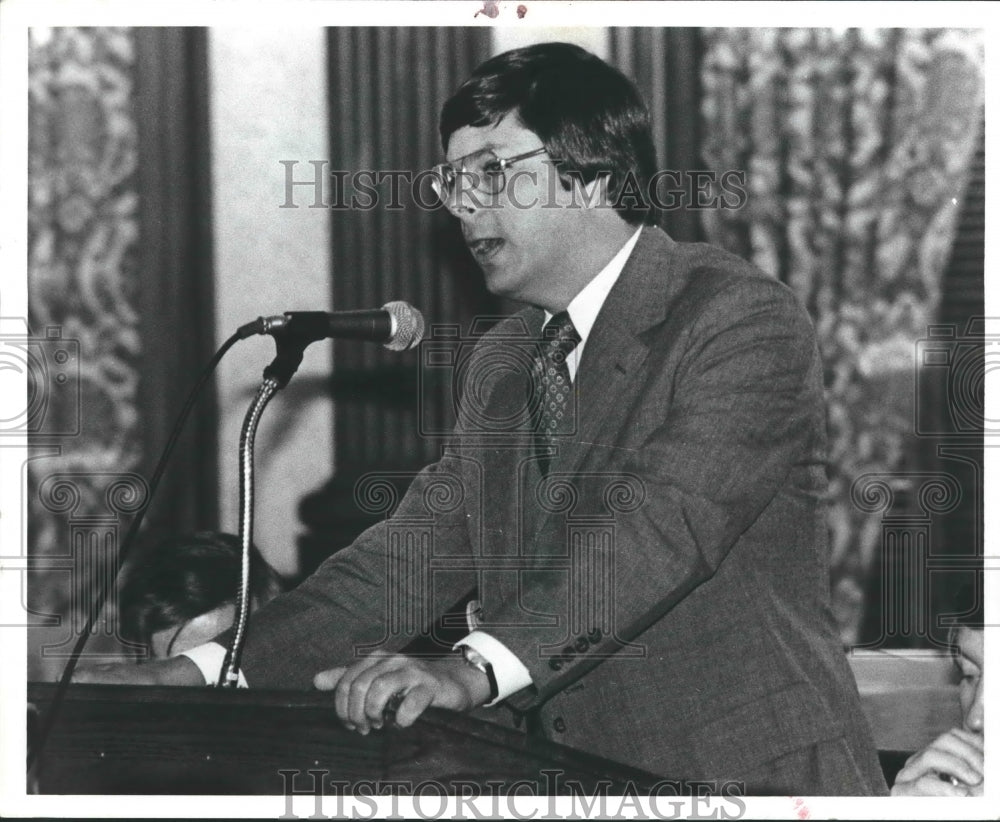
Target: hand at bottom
(363, 689)
(952, 765)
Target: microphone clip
(293, 332)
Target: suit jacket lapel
(511, 475)
(614, 352)
(609, 372)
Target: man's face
(970, 689)
(524, 237)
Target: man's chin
(500, 285)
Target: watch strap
(477, 661)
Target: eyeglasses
(482, 170)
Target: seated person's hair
(968, 608)
(182, 577)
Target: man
(648, 548)
(952, 765)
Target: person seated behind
(952, 765)
(181, 591)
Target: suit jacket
(666, 584)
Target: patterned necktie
(553, 386)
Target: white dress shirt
(511, 675)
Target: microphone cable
(104, 589)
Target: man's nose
(462, 201)
(457, 208)
(974, 716)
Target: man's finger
(327, 680)
(934, 760)
(114, 673)
(973, 739)
(391, 708)
(964, 751)
(361, 686)
(931, 785)
(343, 686)
(381, 691)
(417, 701)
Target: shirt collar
(585, 306)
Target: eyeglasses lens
(482, 172)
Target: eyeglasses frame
(505, 163)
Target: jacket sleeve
(374, 595)
(391, 583)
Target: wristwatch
(476, 660)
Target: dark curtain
(176, 299)
(387, 86)
(665, 65)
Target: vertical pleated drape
(387, 86)
(664, 63)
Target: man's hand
(178, 670)
(954, 757)
(364, 689)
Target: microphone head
(407, 326)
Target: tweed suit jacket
(666, 584)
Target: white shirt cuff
(510, 673)
(209, 658)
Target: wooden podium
(134, 740)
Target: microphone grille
(407, 326)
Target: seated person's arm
(178, 670)
(952, 765)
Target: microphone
(397, 325)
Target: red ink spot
(521, 11)
(491, 8)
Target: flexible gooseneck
(231, 667)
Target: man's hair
(179, 578)
(589, 115)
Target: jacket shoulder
(714, 275)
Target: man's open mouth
(485, 248)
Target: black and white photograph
(470, 410)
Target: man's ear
(594, 194)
